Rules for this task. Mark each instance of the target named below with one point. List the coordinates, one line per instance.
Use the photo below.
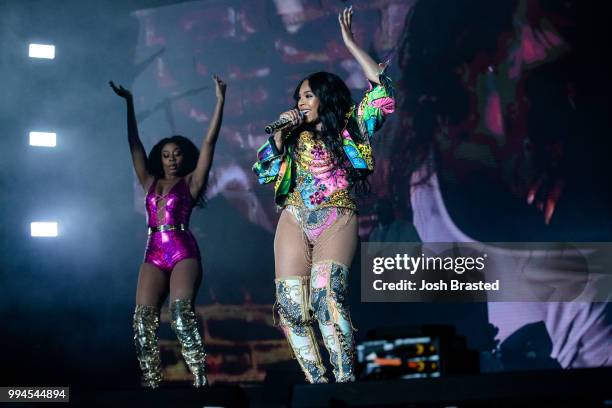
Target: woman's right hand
(296, 120)
(294, 116)
(121, 91)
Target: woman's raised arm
(139, 156)
(371, 69)
(199, 176)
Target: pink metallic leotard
(166, 248)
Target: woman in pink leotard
(167, 219)
(174, 176)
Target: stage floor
(558, 388)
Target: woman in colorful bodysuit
(174, 178)
(315, 164)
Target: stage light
(45, 139)
(42, 51)
(43, 229)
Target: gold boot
(295, 321)
(145, 325)
(329, 284)
(185, 325)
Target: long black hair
(429, 58)
(335, 105)
(190, 160)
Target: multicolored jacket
(273, 165)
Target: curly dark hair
(335, 102)
(190, 159)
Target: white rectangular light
(46, 139)
(42, 51)
(43, 229)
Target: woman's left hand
(345, 17)
(219, 87)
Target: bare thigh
(290, 249)
(339, 242)
(152, 287)
(185, 279)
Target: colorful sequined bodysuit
(318, 183)
(166, 248)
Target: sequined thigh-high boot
(329, 284)
(146, 323)
(185, 325)
(293, 308)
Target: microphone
(280, 123)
